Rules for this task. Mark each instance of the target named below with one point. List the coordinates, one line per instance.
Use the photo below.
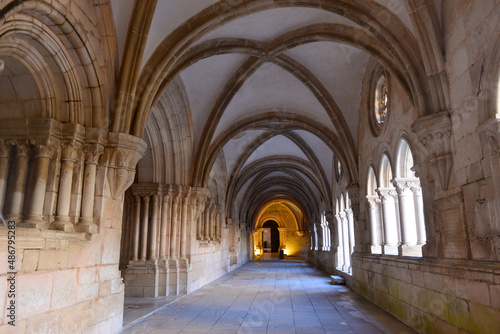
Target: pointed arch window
(397, 225)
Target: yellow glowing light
(257, 252)
(285, 251)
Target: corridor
(271, 297)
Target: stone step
(337, 279)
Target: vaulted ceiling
(272, 86)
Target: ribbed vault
(274, 91)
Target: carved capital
(167, 198)
(146, 198)
(4, 148)
(373, 201)
(435, 137)
(70, 151)
(156, 198)
(137, 198)
(403, 185)
(92, 153)
(21, 147)
(45, 148)
(386, 194)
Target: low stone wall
(431, 296)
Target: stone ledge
(27, 238)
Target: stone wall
(454, 287)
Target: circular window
(338, 168)
(379, 100)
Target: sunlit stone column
(184, 226)
(20, 171)
(4, 171)
(387, 197)
(43, 153)
(340, 249)
(406, 212)
(69, 158)
(345, 241)
(375, 224)
(154, 228)
(86, 222)
(350, 225)
(165, 225)
(137, 226)
(419, 214)
(145, 222)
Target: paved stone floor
(271, 297)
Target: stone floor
(271, 297)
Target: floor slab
(269, 297)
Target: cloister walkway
(271, 297)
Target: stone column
(406, 212)
(69, 158)
(43, 153)
(206, 222)
(390, 222)
(154, 228)
(145, 222)
(282, 231)
(20, 171)
(340, 249)
(165, 225)
(218, 226)
(86, 222)
(4, 171)
(375, 224)
(419, 213)
(345, 237)
(350, 223)
(175, 226)
(199, 227)
(137, 226)
(184, 227)
(212, 222)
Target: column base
(376, 249)
(142, 279)
(86, 225)
(183, 263)
(173, 277)
(391, 249)
(35, 221)
(15, 218)
(63, 223)
(410, 250)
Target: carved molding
(120, 158)
(435, 137)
